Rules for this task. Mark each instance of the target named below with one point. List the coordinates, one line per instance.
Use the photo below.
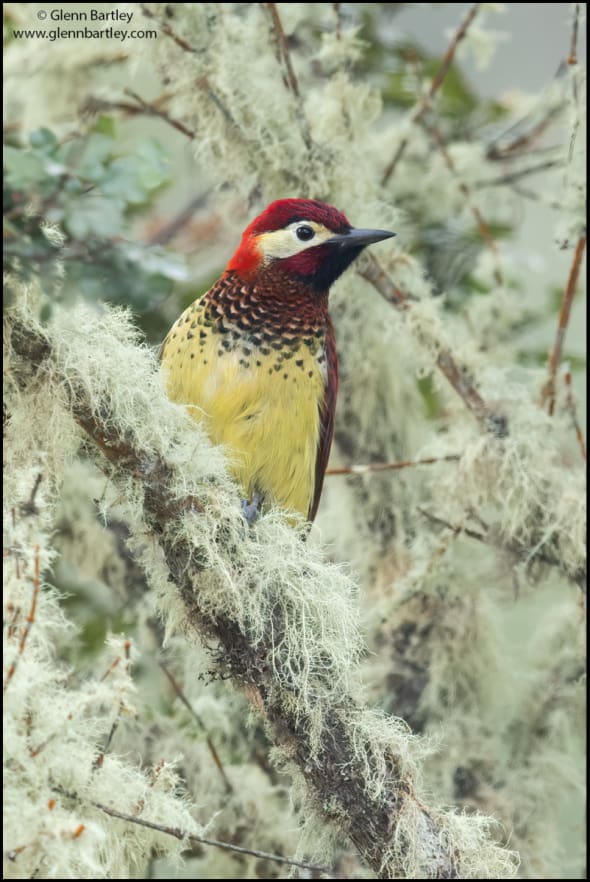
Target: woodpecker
(255, 358)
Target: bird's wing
(327, 409)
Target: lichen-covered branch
(271, 635)
(454, 373)
(425, 102)
(482, 225)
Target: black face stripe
(335, 263)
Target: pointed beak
(359, 238)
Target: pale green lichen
(500, 747)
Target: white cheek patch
(283, 243)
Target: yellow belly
(264, 410)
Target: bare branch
(436, 519)
(153, 110)
(94, 104)
(29, 620)
(29, 507)
(337, 7)
(521, 552)
(573, 55)
(571, 408)
(373, 467)
(193, 839)
(283, 49)
(283, 53)
(521, 143)
(166, 29)
(99, 761)
(511, 177)
(212, 749)
(548, 393)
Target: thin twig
(283, 49)
(520, 551)
(536, 197)
(337, 7)
(284, 54)
(14, 852)
(205, 86)
(29, 621)
(457, 376)
(457, 529)
(482, 225)
(140, 108)
(521, 142)
(548, 393)
(114, 664)
(201, 82)
(518, 175)
(99, 761)
(193, 839)
(425, 102)
(212, 749)
(373, 467)
(573, 55)
(166, 29)
(29, 507)
(572, 410)
(371, 270)
(152, 110)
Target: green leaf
(24, 169)
(133, 178)
(153, 167)
(121, 179)
(87, 158)
(105, 125)
(93, 215)
(156, 261)
(429, 397)
(43, 140)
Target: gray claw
(251, 510)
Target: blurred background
(130, 169)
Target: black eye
(305, 233)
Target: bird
(254, 359)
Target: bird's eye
(305, 233)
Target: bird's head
(302, 239)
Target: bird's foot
(251, 510)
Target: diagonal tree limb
(340, 780)
(491, 421)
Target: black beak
(359, 238)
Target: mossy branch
(426, 100)
(457, 376)
(359, 768)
